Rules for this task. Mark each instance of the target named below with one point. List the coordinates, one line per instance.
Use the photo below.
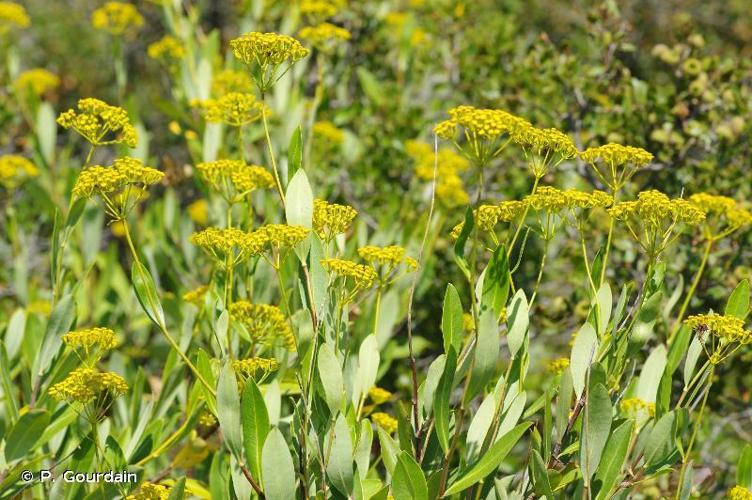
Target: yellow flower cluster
(36, 81)
(615, 164)
(117, 179)
(544, 146)
(231, 243)
(196, 296)
(12, 15)
(99, 123)
(363, 276)
(637, 406)
(265, 323)
(150, 491)
(385, 421)
(234, 178)
(167, 49)
(117, 18)
(95, 340)
(252, 367)
(450, 190)
(739, 493)
(557, 366)
(724, 215)
(265, 52)
(390, 257)
(235, 109)
(487, 216)
(329, 132)
(84, 385)
(228, 81)
(283, 236)
(550, 199)
(379, 395)
(331, 219)
(318, 10)
(729, 328)
(14, 170)
(207, 420)
(324, 36)
(655, 210)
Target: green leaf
(371, 86)
(255, 421)
(459, 245)
(479, 426)
(690, 362)
(299, 206)
(496, 282)
(451, 319)
(368, 367)
(652, 371)
(541, 482)
(518, 322)
(677, 349)
(435, 371)
(596, 426)
(408, 481)
(61, 320)
(441, 400)
(486, 353)
(25, 433)
(744, 468)
(389, 449)
(613, 459)
(177, 492)
(277, 468)
(584, 351)
(147, 293)
(660, 443)
(738, 302)
(604, 303)
(490, 460)
(330, 374)
(295, 153)
(228, 409)
(47, 131)
(339, 470)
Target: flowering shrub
(275, 265)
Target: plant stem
(692, 289)
(271, 152)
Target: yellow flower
(168, 50)
(229, 244)
(388, 258)
(198, 211)
(329, 132)
(331, 219)
(283, 236)
(654, 220)
(318, 10)
(724, 215)
(196, 296)
(99, 123)
(234, 179)
(451, 193)
(12, 15)
(379, 395)
(487, 216)
(729, 328)
(265, 323)
(117, 18)
(468, 323)
(84, 385)
(550, 199)
(36, 81)
(264, 53)
(150, 491)
(253, 367)
(95, 341)
(557, 366)
(483, 129)
(635, 407)
(362, 276)
(207, 420)
(235, 109)
(544, 147)
(324, 36)
(385, 421)
(15, 170)
(615, 164)
(229, 81)
(739, 493)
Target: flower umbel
(264, 53)
(234, 179)
(615, 164)
(90, 342)
(264, 323)
(724, 215)
(36, 81)
(331, 219)
(99, 123)
(117, 18)
(235, 109)
(15, 170)
(727, 334)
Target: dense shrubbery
(410, 249)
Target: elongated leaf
(147, 293)
(744, 468)
(459, 245)
(330, 374)
(22, 436)
(738, 302)
(61, 320)
(277, 468)
(496, 282)
(368, 366)
(408, 481)
(228, 408)
(518, 322)
(177, 492)
(660, 443)
(652, 371)
(693, 355)
(583, 353)
(451, 319)
(479, 426)
(489, 461)
(613, 458)
(596, 427)
(339, 470)
(295, 153)
(541, 482)
(604, 303)
(441, 400)
(255, 420)
(486, 353)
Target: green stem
(692, 289)
(271, 153)
(685, 459)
